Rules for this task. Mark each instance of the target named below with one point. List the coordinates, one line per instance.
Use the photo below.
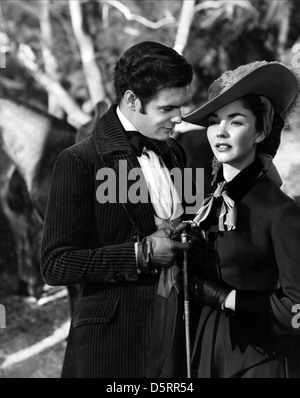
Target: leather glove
(252, 303)
(160, 250)
(209, 292)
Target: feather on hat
(272, 80)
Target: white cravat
(163, 194)
(164, 198)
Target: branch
(184, 26)
(50, 61)
(218, 4)
(76, 116)
(86, 46)
(223, 7)
(129, 16)
(33, 11)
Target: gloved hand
(209, 292)
(159, 250)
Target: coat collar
(244, 180)
(111, 140)
(110, 136)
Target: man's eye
(211, 122)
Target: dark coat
(260, 258)
(91, 243)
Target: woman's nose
(222, 129)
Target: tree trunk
(85, 43)
(184, 25)
(50, 62)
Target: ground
(33, 343)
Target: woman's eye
(211, 122)
(236, 123)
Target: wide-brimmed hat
(272, 80)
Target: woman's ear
(261, 135)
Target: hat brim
(273, 81)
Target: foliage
(223, 35)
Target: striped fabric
(92, 244)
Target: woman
(248, 286)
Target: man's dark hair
(148, 67)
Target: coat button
(136, 238)
(120, 277)
(154, 272)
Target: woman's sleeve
(65, 254)
(285, 234)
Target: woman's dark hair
(148, 67)
(271, 143)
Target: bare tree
(86, 46)
(50, 62)
(75, 115)
(279, 13)
(184, 25)
(129, 16)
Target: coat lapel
(116, 153)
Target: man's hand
(160, 250)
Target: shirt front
(164, 198)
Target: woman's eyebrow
(231, 115)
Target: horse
(32, 140)
(19, 217)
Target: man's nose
(176, 118)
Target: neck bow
(228, 214)
(138, 141)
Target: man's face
(160, 115)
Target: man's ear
(131, 100)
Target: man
(119, 243)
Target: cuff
(136, 258)
(229, 302)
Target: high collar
(244, 180)
(111, 140)
(110, 136)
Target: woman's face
(233, 136)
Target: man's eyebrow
(172, 106)
(167, 106)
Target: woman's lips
(222, 146)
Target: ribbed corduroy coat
(91, 243)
